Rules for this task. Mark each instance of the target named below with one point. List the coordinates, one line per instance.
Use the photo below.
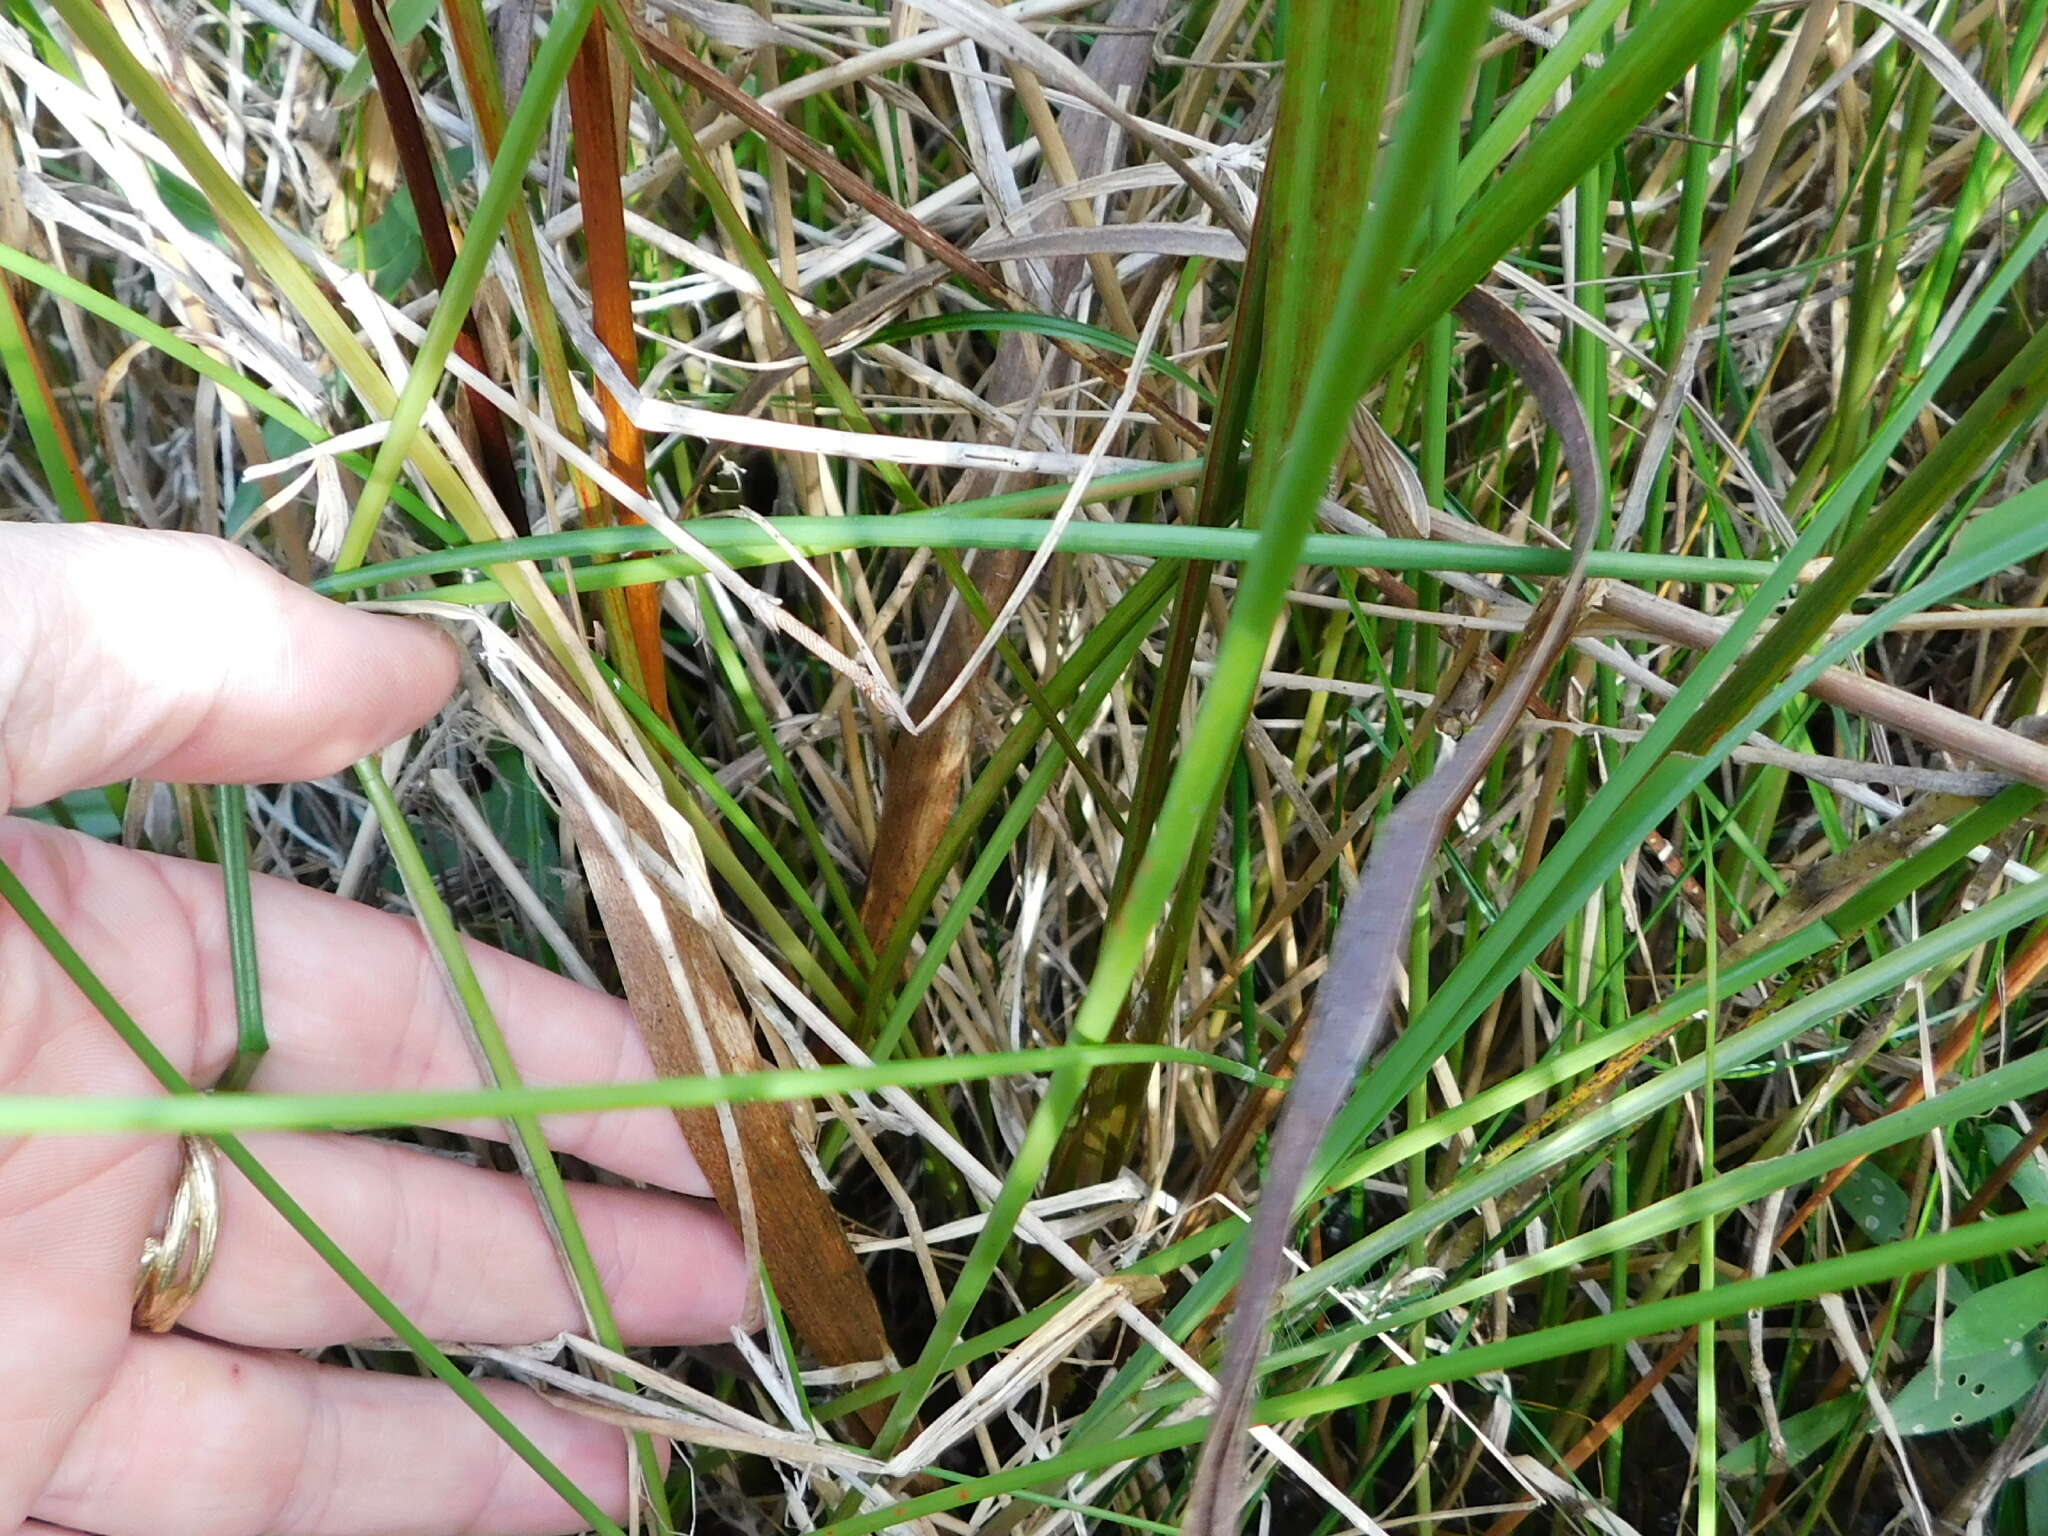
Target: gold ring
(174, 1264)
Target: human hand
(125, 652)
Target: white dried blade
(690, 1417)
(1027, 1365)
(1091, 463)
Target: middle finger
(353, 997)
(463, 1251)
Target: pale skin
(127, 653)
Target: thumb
(125, 651)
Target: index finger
(126, 651)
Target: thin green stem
(231, 815)
(500, 1070)
(744, 544)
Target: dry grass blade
(1366, 953)
(820, 162)
(691, 1018)
(921, 788)
(1004, 34)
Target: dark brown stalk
(415, 157)
(1372, 937)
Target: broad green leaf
(187, 205)
(1995, 525)
(1938, 1293)
(2036, 1483)
(409, 18)
(1805, 1433)
(84, 810)
(1998, 1315)
(2030, 1181)
(393, 249)
(279, 441)
(1970, 1389)
(1875, 1203)
(1994, 1349)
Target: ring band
(174, 1264)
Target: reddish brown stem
(599, 178)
